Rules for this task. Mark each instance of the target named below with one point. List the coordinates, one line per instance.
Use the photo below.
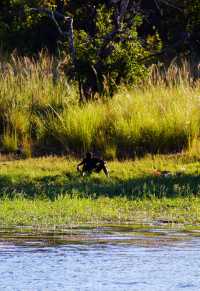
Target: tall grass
(40, 113)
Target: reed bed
(39, 113)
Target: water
(107, 258)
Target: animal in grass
(92, 164)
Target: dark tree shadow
(140, 187)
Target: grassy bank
(69, 212)
(45, 192)
(39, 115)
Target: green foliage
(102, 67)
(19, 27)
(24, 31)
(39, 115)
(117, 63)
(99, 72)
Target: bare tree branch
(123, 8)
(63, 33)
(53, 15)
(168, 3)
(167, 49)
(117, 24)
(69, 32)
(49, 13)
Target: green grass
(41, 116)
(47, 192)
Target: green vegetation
(93, 87)
(29, 33)
(114, 46)
(46, 192)
(39, 116)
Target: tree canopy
(113, 38)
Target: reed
(39, 112)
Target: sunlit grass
(75, 211)
(41, 115)
(46, 192)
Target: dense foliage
(112, 43)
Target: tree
(104, 49)
(110, 40)
(177, 23)
(21, 31)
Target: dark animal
(92, 164)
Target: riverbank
(48, 192)
(181, 213)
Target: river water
(104, 258)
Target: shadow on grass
(140, 187)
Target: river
(101, 258)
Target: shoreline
(182, 214)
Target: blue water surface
(101, 260)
